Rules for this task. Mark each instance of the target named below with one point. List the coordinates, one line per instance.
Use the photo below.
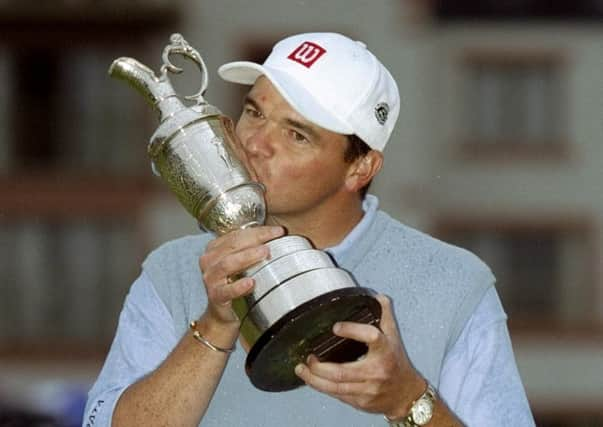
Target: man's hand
(383, 381)
(226, 257)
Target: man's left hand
(383, 381)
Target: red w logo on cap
(307, 54)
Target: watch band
(420, 412)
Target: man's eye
(298, 137)
(252, 112)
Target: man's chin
(272, 214)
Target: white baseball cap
(332, 81)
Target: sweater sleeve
(144, 338)
(479, 380)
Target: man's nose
(259, 141)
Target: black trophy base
(308, 330)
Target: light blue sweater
(436, 289)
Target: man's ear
(363, 170)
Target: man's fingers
(232, 264)
(325, 385)
(388, 322)
(244, 238)
(337, 372)
(368, 334)
(236, 251)
(227, 256)
(225, 293)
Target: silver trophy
(299, 293)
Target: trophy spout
(157, 91)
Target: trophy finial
(180, 46)
(158, 91)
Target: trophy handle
(180, 46)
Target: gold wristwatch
(420, 412)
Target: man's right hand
(178, 392)
(223, 260)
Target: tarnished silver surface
(207, 177)
(156, 89)
(192, 147)
(294, 293)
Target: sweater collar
(370, 204)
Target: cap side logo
(381, 112)
(307, 54)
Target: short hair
(357, 148)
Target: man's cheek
(293, 173)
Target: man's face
(301, 164)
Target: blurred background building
(498, 149)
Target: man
(313, 127)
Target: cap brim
(244, 72)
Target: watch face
(422, 411)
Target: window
(70, 115)
(544, 271)
(591, 10)
(514, 103)
(74, 173)
(64, 281)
